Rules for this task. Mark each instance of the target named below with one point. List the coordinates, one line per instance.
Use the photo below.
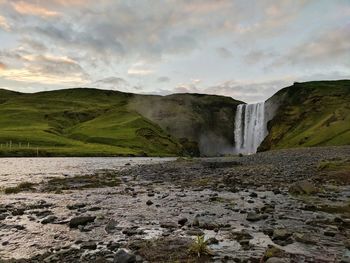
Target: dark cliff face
(203, 123)
(310, 114)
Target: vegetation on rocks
(310, 114)
(24, 186)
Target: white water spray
(250, 127)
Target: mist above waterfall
(250, 127)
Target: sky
(246, 49)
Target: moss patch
(335, 171)
(167, 250)
(108, 179)
(22, 187)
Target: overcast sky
(241, 48)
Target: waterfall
(250, 127)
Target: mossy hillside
(79, 122)
(310, 114)
(91, 122)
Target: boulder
(124, 256)
(81, 221)
(303, 188)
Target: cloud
(114, 83)
(224, 52)
(4, 24)
(257, 56)
(2, 66)
(140, 69)
(81, 41)
(47, 69)
(331, 46)
(163, 79)
(26, 8)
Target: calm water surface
(16, 170)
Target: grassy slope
(78, 122)
(311, 114)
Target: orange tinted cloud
(32, 9)
(2, 66)
(71, 2)
(3, 23)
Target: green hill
(310, 114)
(90, 122)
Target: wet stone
(182, 221)
(49, 219)
(81, 221)
(88, 245)
(124, 256)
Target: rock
(81, 221)
(273, 251)
(124, 256)
(304, 238)
(88, 245)
(149, 202)
(51, 258)
(281, 234)
(94, 208)
(278, 260)
(244, 243)
(212, 241)
(346, 257)
(48, 220)
(253, 195)
(113, 246)
(330, 232)
(303, 187)
(76, 206)
(18, 212)
(111, 226)
(195, 232)
(252, 216)
(347, 244)
(132, 231)
(195, 222)
(276, 191)
(242, 235)
(182, 221)
(170, 225)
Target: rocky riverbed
(278, 206)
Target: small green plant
(200, 247)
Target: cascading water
(250, 127)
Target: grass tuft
(200, 247)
